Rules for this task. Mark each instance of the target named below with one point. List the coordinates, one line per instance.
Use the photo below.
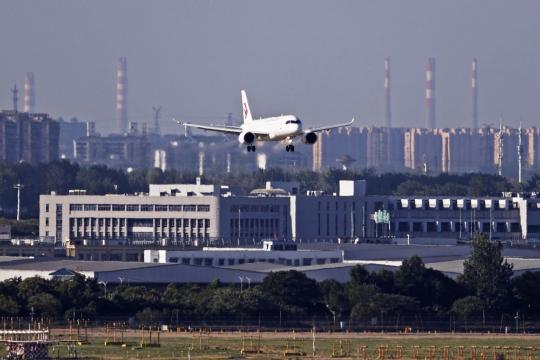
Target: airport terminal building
(198, 214)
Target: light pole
(104, 283)
(241, 283)
(249, 282)
(333, 314)
(18, 186)
(239, 225)
(460, 223)
(121, 279)
(490, 220)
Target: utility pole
(157, 111)
(18, 186)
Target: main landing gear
(289, 148)
(251, 148)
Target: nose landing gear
(251, 148)
(289, 148)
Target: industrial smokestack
(474, 88)
(29, 96)
(388, 109)
(15, 93)
(431, 121)
(121, 95)
(157, 111)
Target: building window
(104, 207)
(203, 208)
(190, 208)
(75, 207)
(161, 207)
(118, 207)
(327, 224)
(431, 226)
(515, 227)
(445, 227)
(147, 207)
(46, 221)
(47, 208)
(132, 207)
(175, 207)
(90, 207)
(403, 226)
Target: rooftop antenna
(156, 110)
(15, 93)
(500, 145)
(520, 155)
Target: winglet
(179, 122)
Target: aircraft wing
(217, 128)
(323, 128)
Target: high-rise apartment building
(28, 137)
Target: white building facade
(196, 214)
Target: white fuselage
(284, 127)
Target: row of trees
(486, 289)
(62, 176)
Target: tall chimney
(121, 95)
(431, 121)
(15, 93)
(157, 111)
(29, 96)
(387, 99)
(474, 88)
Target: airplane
(284, 128)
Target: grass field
(297, 345)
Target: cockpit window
(293, 121)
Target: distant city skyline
(320, 60)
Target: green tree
(526, 291)
(435, 291)
(468, 306)
(335, 298)
(363, 299)
(8, 306)
(292, 292)
(359, 275)
(45, 305)
(486, 273)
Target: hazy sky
(321, 60)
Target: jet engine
(246, 137)
(309, 138)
